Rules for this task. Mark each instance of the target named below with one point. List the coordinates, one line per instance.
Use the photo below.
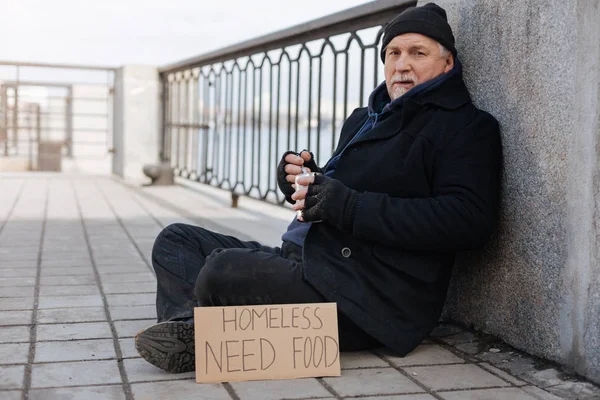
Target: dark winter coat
(430, 174)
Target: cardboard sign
(266, 342)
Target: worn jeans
(196, 267)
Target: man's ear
(449, 63)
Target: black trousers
(196, 267)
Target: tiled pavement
(76, 284)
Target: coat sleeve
(460, 214)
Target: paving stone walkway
(76, 284)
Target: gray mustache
(405, 78)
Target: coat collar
(451, 95)
(448, 92)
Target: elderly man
(414, 179)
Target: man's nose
(402, 63)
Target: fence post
(137, 122)
(4, 119)
(69, 122)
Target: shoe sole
(168, 346)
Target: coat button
(346, 252)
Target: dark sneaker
(168, 345)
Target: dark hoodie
(380, 107)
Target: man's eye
(420, 53)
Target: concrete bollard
(161, 174)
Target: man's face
(411, 59)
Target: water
(245, 158)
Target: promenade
(76, 284)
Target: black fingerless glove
(312, 164)
(285, 186)
(330, 200)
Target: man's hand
(309, 161)
(327, 199)
(291, 165)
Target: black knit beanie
(429, 20)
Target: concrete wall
(535, 65)
(137, 120)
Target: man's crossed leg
(196, 267)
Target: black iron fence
(229, 115)
(69, 105)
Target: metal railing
(229, 115)
(74, 108)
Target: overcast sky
(156, 32)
